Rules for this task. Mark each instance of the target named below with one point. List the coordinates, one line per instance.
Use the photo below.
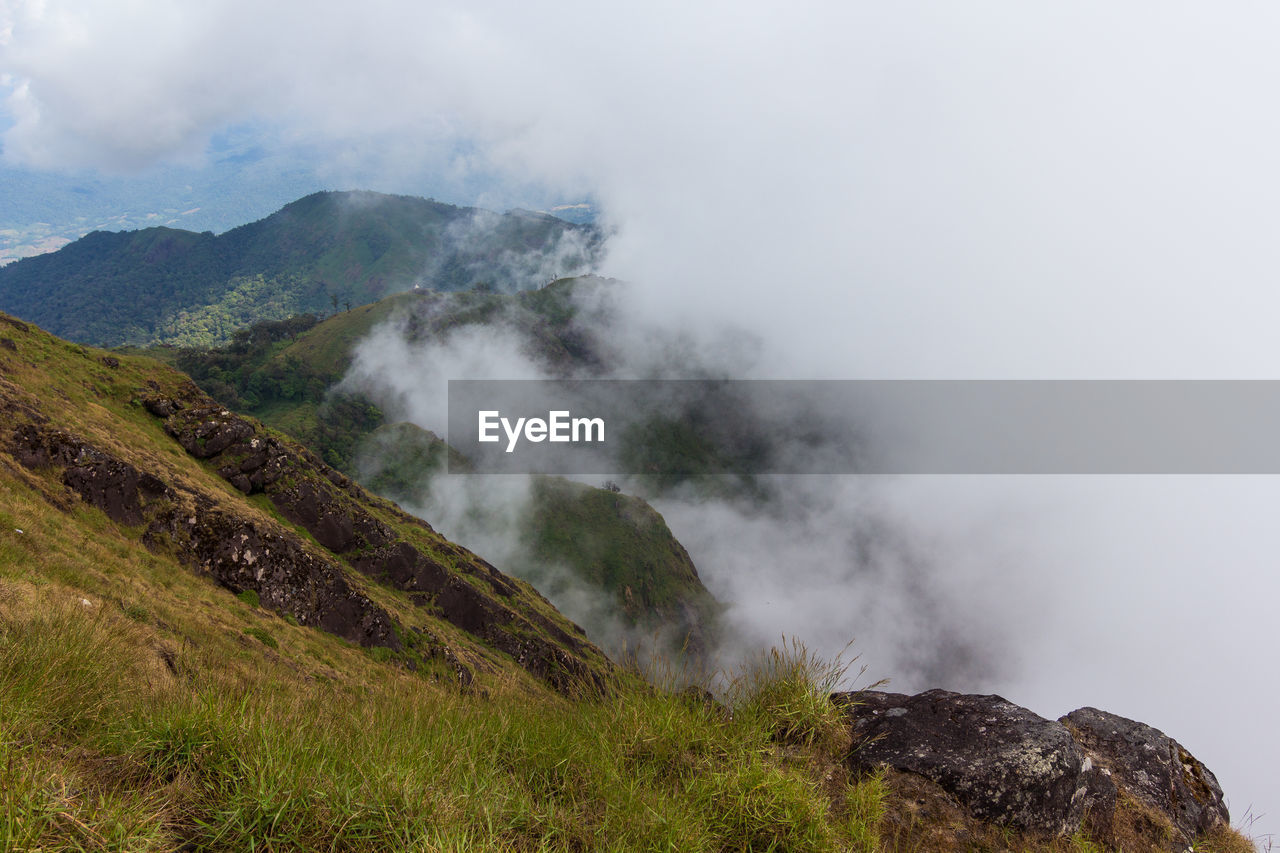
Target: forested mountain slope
(322, 252)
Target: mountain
(326, 250)
(211, 640)
(284, 373)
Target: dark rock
(254, 461)
(110, 484)
(8, 344)
(241, 554)
(238, 553)
(160, 405)
(1005, 763)
(405, 567)
(499, 582)
(468, 608)
(15, 322)
(216, 430)
(111, 362)
(334, 520)
(1153, 767)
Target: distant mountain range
(329, 249)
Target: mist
(927, 190)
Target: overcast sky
(941, 190)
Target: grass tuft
(261, 635)
(787, 689)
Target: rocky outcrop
(288, 578)
(115, 487)
(1007, 764)
(239, 553)
(1156, 770)
(456, 585)
(1010, 766)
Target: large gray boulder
(1005, 763)
(1120, 781)
(1154, 768)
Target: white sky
(916, 189)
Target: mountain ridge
(327, 249)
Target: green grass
(99, 753)
(262, 636)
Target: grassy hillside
(182, 477)
(319, 254)
(154, 695)
(110, 746)
(282, 371)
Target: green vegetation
(104, 751)
(282, 373)
(786, 688)
(262, 636)
(399, 461)
(322, 252)
(619, 544)
(258, 372)
(96, 398)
